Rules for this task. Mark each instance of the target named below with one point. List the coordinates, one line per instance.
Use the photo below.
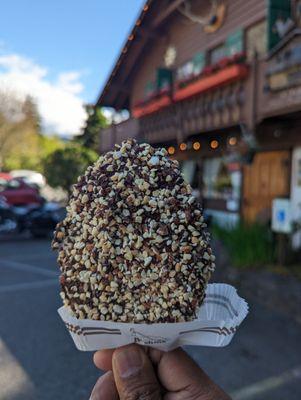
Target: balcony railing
(117, 133)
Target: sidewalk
(278, 292)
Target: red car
(5, 176)
(19, 193)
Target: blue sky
(65, 48)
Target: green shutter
(235, 42)
(198, 63)
(149, 89)
(164, 78)
(278, 10)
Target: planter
(151, 106)
(225, 76)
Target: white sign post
(282, 225)
(282, 216)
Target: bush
(249, 245)
(64, 165)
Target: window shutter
(235, 42)
(279, 20)
(164, 78)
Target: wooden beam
(122, 88)
(166, 13)
(147, 33)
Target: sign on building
(281, 216)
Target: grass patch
(248, 245)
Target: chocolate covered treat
(133, 246)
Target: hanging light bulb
(214, 144)
(232, 141)
(196, 146)
(183, 146)
(171, 150)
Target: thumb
(134, 374)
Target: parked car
(30, 177)
(8, 222)
(19, 193)
(38, 220)
(5, 176)
(42, 221)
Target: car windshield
(11, 184)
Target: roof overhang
(148, 26)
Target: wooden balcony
(117, 133)
(273, 102)
(226, 76)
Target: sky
(61, 52)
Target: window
(235, 42)
(220, 180)
(164, 79)
(185, 71)
(150, 89)
(256, 40)
(188, 170)
(199, 62)
(218, 53)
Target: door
(266, 178)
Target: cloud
(59, 101)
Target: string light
(183, 146)
(171, 150)
(232, 141)
(145, 8)
(214, 144)
(196, 146)
(131, 37)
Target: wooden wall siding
(117, 133)
(221, 108)
(189, 39)
(283, 101)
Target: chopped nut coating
(133, 246)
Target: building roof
(115, 92)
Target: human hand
(136, 373)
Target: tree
(94, 123)
(64, 165)
(19, 132)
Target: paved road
(38, 359)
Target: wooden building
(218, 83)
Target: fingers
(134, 374)
(105, 388)
(177, 372)
(103, 359)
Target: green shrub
(64, 165)
(249, 245)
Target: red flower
(224, 62)
(208, 70)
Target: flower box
(151, 106)
(204, 83)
